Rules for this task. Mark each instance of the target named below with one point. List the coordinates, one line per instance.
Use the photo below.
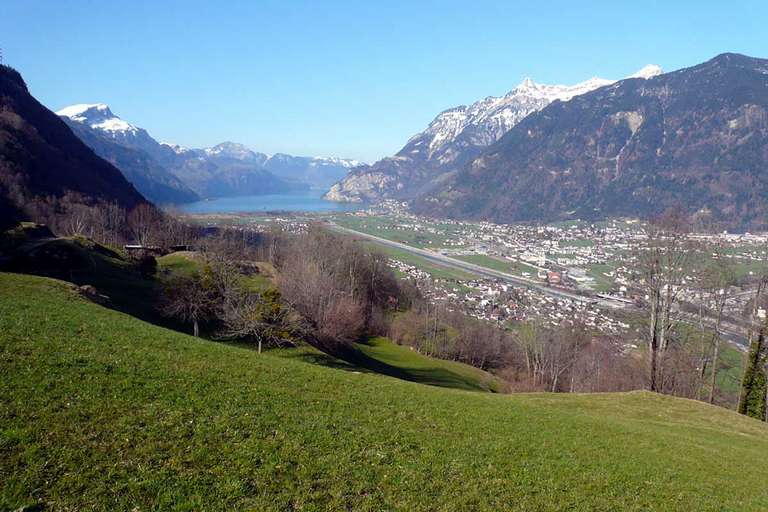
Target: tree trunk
(654, 342)
(713, 378)
(259, 345)
(195, 328)
(528, 363)
(716, 351)
(701, 377)
(665, 331)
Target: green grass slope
(100, 411)
(383, 356)
(187, 263)
(182, 263)
(85, 262)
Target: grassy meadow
(102, 411)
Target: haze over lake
(308, 201)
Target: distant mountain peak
(694, 139)
(536, 91)
(735, 60)
(348, 163)
(648, 71)
(39, 149)
(234, 150)
(456, 136)
(98, 116)
(730, 57)
(527, 83)
(84, 109)
(531, 88)
(176, 148)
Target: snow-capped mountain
(40, 158)
(317, 171)
(649, 71)
(129, 148)
(168, 172)
(98, 116)
(310, 171)
(236, 151)
(348, 163)
(456, 136)
(694, 139)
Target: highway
(730, 333)
(447, 261)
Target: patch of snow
(177, 148)
(113, 125)
(491, 117)
(342, 162)
(649, 71)
(80, 108)
(98, 116)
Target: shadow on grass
(321, 359)
(434, 376)
(125, 285)
(353, 359)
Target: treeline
(343, 289)
(683, 346)
(530, 356)
(336, 291)
(106, 222)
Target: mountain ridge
(168, 172)
(41, 158)
(453, 138)
(125, 146)
(695, 137)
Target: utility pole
(1, 56)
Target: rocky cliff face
(696, 138)
(453, 138)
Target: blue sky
(352, 79)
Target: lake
(307, 201)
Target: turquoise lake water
(309, 201)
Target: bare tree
(143, 222)
(77, 220)
(173, 230)
(189, 299)
(552, 354)
(603, 364)
(531, 338)
(335, 283)
(110, 224)
(259, 317)
(661, 267)
(717, 279)
(563, 350)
